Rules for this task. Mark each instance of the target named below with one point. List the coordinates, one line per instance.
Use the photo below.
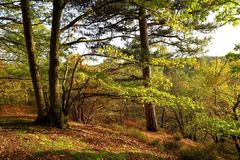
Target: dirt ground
(21, 139)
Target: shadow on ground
(16, 122)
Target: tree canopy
(148, 54)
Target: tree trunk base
(58, 120)
(151, 120)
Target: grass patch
(59, 143)
(88, 155)
(210, 151)
(157, 144)
(132, 132)
(198, 153)
(40, 142)
(17, 124)
(10, 121)
(59, 153)
(92, 155)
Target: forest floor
(21, 139)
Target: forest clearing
(119, 79)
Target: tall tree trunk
(32, 60)
(162, 117)
(55, 111)
(150, 113)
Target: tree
(214, 84)
(146, 71)
(149, 16)
(32, 59)
(56, 116)
(151, 19)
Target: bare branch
(10, 19)
(72, 23)
(107, 56)
(11, 60)
(11, 41)
(67, 106)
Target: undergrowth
(132, 132)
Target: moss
(90, 155)
(41, 142)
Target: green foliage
(91, 155)
(16, 92)
(220, 127)
(185, 12)
(115, 54)
(41, 142)
(214, 88)
(15, 85)
(183, 84)
(234, 60)
(59, 143)
(229, 12)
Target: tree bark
(55, 111)
(32, 59)
(150, 113)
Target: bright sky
(224, 40)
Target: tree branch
(85, 40)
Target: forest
(118, 80)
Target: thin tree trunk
(82, 114)
(150, 113)
(179, 123)
(55, 111)
(32, 60)
(162, 117)
(235, 117)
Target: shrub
(136, 133)
(130, 132)
(226, 150)
(171, 145)
(178, 136)
(199, 153)
(157, 144)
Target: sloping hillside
(21, 139)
